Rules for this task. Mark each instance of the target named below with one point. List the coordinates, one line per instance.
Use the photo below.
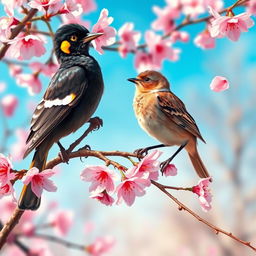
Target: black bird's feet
(141, 152)
(63, 154)
(164, 164)
(95, 123)
(86, 147)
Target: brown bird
(164, 116)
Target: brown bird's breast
(155, 122)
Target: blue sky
(189, 77)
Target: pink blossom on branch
(204, 40)
(25, 47)
(14, 70)
(6, 25)
(61, 221)
(170, 170)
(128, 38)
(219, 84)
(101, 177)
(49, 7)
(230, 26)
(10, 5)
(6, 189)
(203, 192)
(103, 197)
(47, 69)
(19, 147)
(144, 61)
(193, 7)
(30, 81)
(9, 104)
(251, 7)
(102, 26)
(39, 180)
(88, 5)
(5, 170)
(71, 9)
(101, 246)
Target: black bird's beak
(91, 36)
(134, 80)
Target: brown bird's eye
(147, 79)
(73, 38)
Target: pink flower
(170, 170)
(160, 48)
(6, 189)
(130, 188)
(39, 180)
(5, 170)
(193, 7)
(47, 69)
(7, 206)
(9, 104)
(25, 47)
(103, 197)
(10, 5)
(149, 165)
(30, 81)
(251, 7)
(102, 26)
(6, 25)
(219, 84)
(215, 4)
(101, 246)
(144, 61)
(88, 5)
(62, 221)
(49, 7)
(179, 36)
(19, 147)
(230, 26)
(128, 38)
(203, 193)
(165, 19)
(204, 40)
(14, 70)
(2, 87)
(101, 177)
(71, 9)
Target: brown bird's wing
(64, 92)
(175, 109)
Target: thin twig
(213, 227)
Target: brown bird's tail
(28, 200)
(198, 164)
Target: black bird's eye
(146, 79)
(73, 38)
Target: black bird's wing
(64, 92)
(175, 109)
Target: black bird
(69, 101)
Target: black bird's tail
(28, 200)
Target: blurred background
(227, 121)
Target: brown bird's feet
(86, 147)
(63, 154)
(164, 164)
(95, 123)
(141, 152)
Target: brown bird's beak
(91, 36)
(134, 80)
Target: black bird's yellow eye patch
(65, 45)
(73, 38)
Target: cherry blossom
(49, 7)
(6, 24)
(129, 189)
(170, 170)
(102, 26)
(39, 180)
(193, 7)
(7, 206)
(215, 4)
(251, 7)
(10, 5)
(128, 38)
(88, 5)
(203, 192)
(230, 26)
(219, 84)
(160, 48)
(47, 69)
(179, 36)
(103, 197)
(62, 221)
(9, 104)
(5, 170)
(30, 81)
(14, 70)
(19, 147)
(101, 177)
(25, 47)
(71, 9)
(204, 40)
(144, 61)
(6, 189)
(101, 246)
(166, 16)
